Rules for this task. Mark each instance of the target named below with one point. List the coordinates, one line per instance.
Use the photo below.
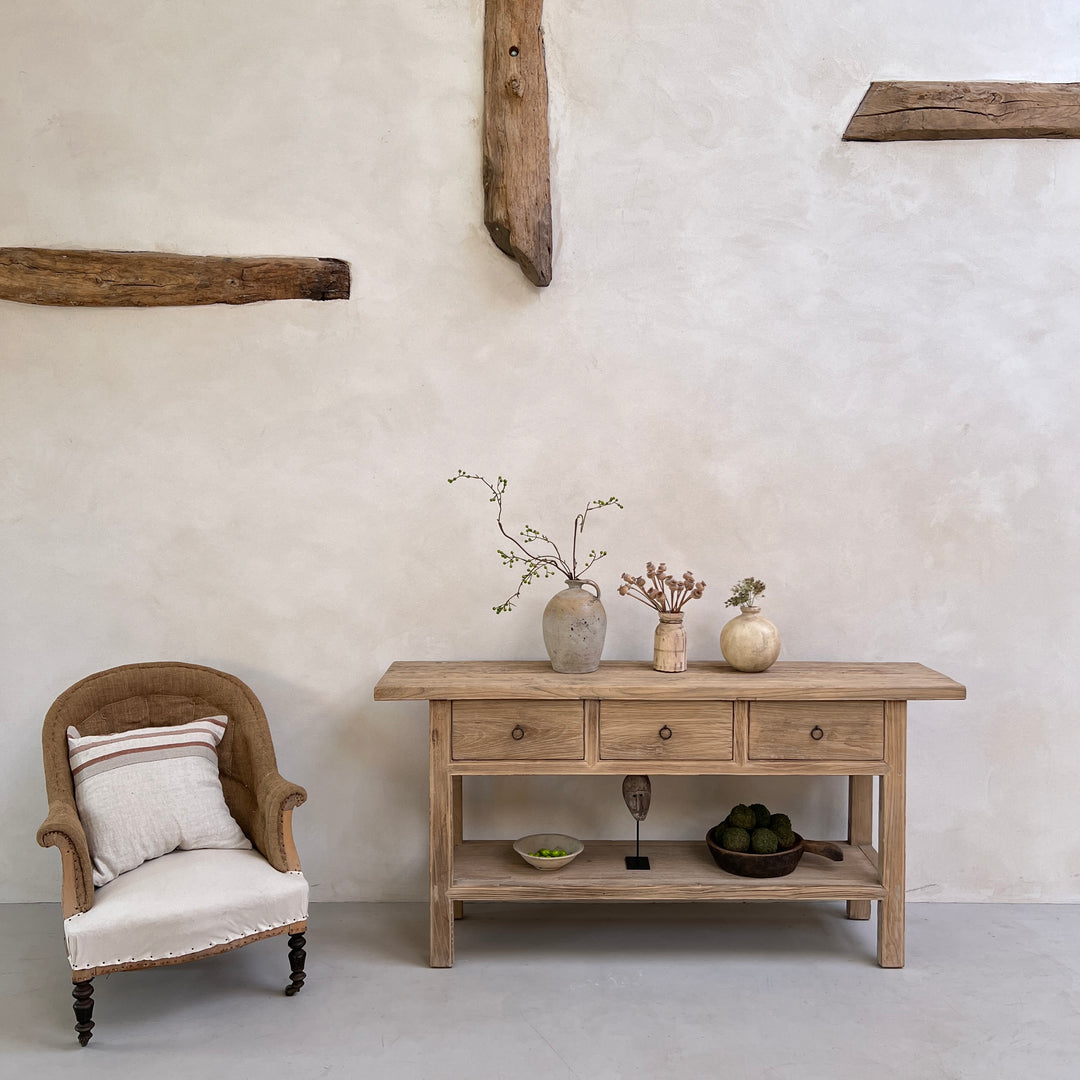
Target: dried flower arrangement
(667, 593)
(535, 564)
(745, 593)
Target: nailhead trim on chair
(82, 974)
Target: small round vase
(750, 642)
(669, 642)
(575, 624)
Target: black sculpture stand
(638, 861)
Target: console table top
(635, 680)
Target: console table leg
(459, 835)
(441, 825)
(891, 825)
(860, 829)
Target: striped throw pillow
(149, 791)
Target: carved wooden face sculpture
(637, 794)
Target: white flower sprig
(666, 593)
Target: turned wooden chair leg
(297, 956)
(83, 993)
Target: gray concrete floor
(659, 992)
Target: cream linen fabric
(181, 904)
(146, 792)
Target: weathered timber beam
(517, 184)
(894, 111)
(157, 279)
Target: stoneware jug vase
(669, 642)
(575, 624)
(750, 642)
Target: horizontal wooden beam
(158, 279)
(895, 111)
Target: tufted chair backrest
(159, 695)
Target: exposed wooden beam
(157, 279)
(893, 111)
(517, 184)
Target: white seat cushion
(184, 903)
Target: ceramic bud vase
(669, 642)
(574, 627)
(750, 642)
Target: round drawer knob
(665, 733)
(816, 733)
(518, 733)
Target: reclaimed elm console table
(497, 718)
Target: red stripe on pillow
(139, 750)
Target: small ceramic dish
(534, 842)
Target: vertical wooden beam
(517, 183)
(441, 826)
(891, 825)
(860, 829)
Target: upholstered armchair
(185, 904)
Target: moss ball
(779, 820)
(762, 816)
(735, 839)
(785, 838)
(742, 817)
(763, 842)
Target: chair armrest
(62, 829)
(275, 800)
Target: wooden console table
(497, 718)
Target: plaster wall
(847, 369)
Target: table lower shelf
(681, 870)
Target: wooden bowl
(534, 842)
(746, 864)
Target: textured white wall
(848, 369)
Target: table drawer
(517, 731)
(817, 731)
(666, 730)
